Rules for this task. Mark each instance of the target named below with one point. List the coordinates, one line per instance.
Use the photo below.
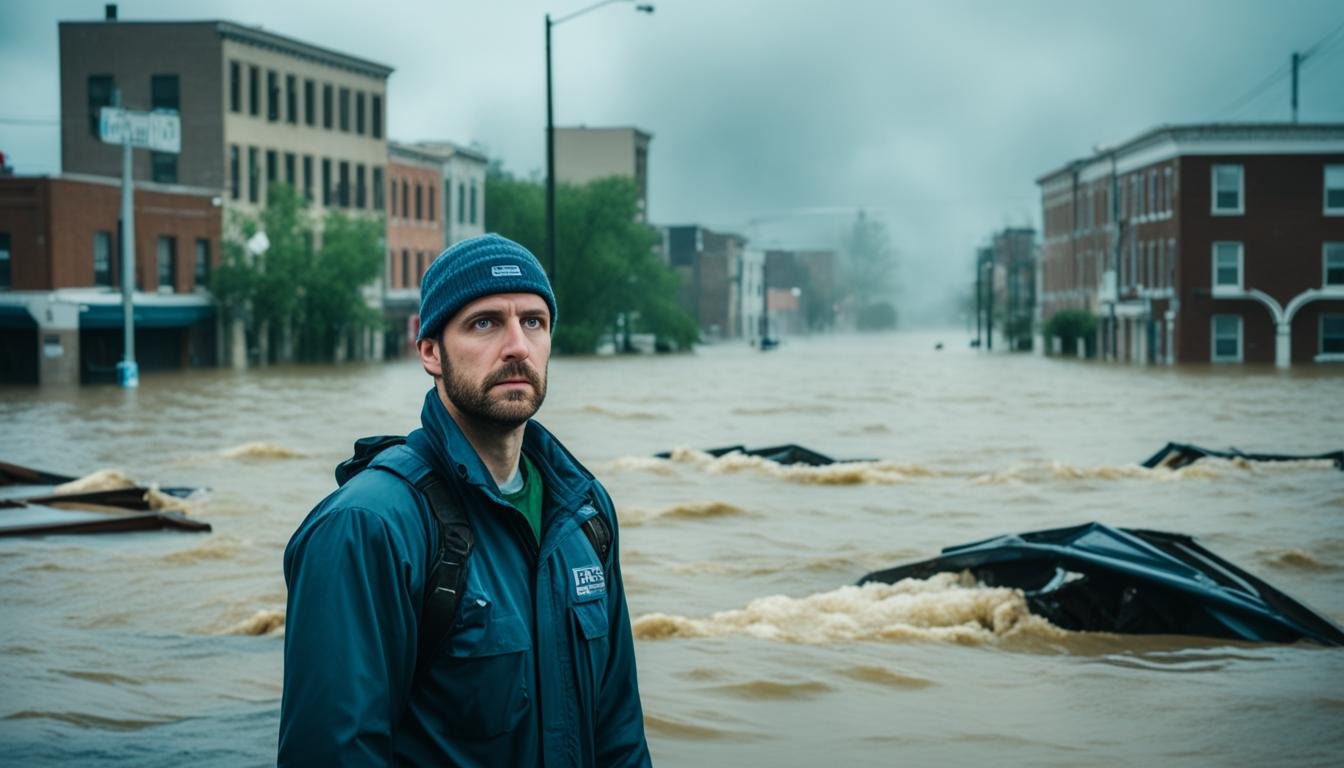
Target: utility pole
(979, 270)
(550, 160)
(550, 125)
(989, 306)
(1297, 59)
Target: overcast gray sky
(778, 119)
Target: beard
(476, 401)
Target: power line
(1321, 46)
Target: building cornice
(1167, 142)
(260, 38)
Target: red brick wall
(1281, 232)
(53, 221)
(423, 236)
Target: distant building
(800, 290)
(463, 196)
(711, 267)
(1199, 243)
(414, 236)
(61, 317)
(584, 154)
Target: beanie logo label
(506, 270)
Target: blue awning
(15, 316)
(146, 316)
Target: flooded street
(164, 648)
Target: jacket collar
(563, 475)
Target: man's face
(492, 356)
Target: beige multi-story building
(463, 171)
(584, 154)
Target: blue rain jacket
(540, 666)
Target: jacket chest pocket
(483, 672)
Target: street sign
(160, 131)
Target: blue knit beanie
(476, 267)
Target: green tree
(606, 271)
(870, 272)
(310, 297)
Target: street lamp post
(550, 125)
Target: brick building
(60, 278)
(256, 109)
(1199, 243)
(711, 267)
(414, 235)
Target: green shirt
(527, 500)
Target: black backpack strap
(599, 535)
(447, 577)
(366, 450)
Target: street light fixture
(550, 125)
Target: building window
(163, 167)
(429, 206)
(1169, 185)
(1227, 258)
(1334, 264)
(202, 262)
(101, 89)
(345, 110)
(1334, 189)
(378, 188)
(1226, 338)
(417, 202)
(1332, 334)
(405, 200)
(289, 168)
(359, 186)
(376, 116)
(235, 87)
(447, 204)
(253, 91)
(309, 103)
(359, 112)
(272, 168)
(392, 202)
(461, 202)
(1169, 270)
(102, 259)
(405, 268)
(308, 178)
(343, 191)
(167, 264)
(163, 94)
(1228, 190)
(272, 95)
(234, 191)
(6, 260)
(326, 181)
(327, 106)
(253, 175)
(473, 201)
(291, 99)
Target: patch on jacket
(589, 582)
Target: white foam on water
(946, 607)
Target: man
(537, 666)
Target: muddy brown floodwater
(753, 648)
